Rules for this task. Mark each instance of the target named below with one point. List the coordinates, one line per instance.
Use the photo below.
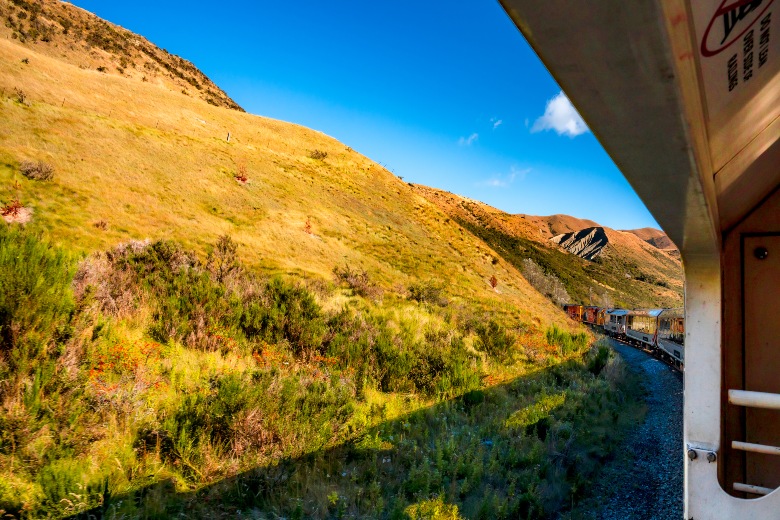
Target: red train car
(574, 311)
(593, 315)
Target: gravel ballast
(645, 480)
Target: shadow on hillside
(460, 449)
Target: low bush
(359, 281)
(38, 171)
(433, 509)
(21, 96)
(566, 342)
(494, 340)
(438, 366)
(222, 259)
(36, 302)
(429, 291)
(538, 411)
(288, 313)
(318, 155)
(598, 358)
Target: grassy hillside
(140, 161)
(62, 30)
(628, 273)
(271, 324)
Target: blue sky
(446, 94)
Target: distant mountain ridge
(554, 225)
(654, 237)
(596, 264)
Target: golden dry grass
(154, 163)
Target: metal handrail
(755, 448)
(754, 399)
(753, 490)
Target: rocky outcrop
(587, 243)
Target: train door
(752, 353)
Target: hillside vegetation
(145, 383)
(62, 30)
(269, 324)
(594, 264)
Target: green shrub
(223, 258)
(494, 340)
(36, 301)
(67, 488)
(598, 358)
(429, 291)
(433, 509)
(532, 414)
(566, 342)
(187, 303)
(358, 281)
(288, 313)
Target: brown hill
(618, 266)
(654, 237)
(558, 224)
(69, 33)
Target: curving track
(645, 481)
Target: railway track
(652, 352)
(645, 479)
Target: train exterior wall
(574, 312)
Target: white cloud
(468, 141)
(494, 183)
(561, 116)
(496, 122)
(503, 181)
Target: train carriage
(641, 326)
(574, 311)
(615, 322)
(601, 316)
(671, 336)
(593, 315)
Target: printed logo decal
(730, 22)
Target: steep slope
(622, 270)
(64, 31)
(137, 160)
